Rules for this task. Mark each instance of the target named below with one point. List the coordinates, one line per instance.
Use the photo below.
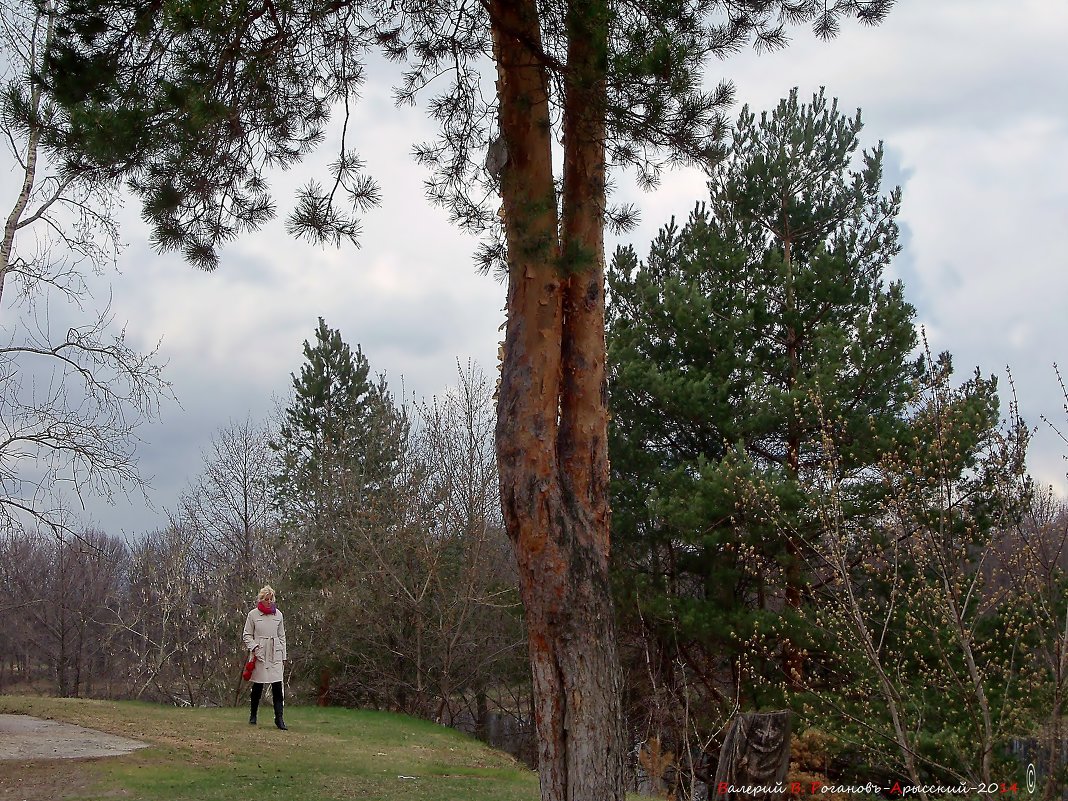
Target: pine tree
(340, 445)
(804, 501)
(747, 347)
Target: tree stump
(755, 754)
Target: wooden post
(755, 753)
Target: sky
(968, 96)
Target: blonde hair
(266, 594)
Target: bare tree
(1033, 557)
(62, 589)
(472, 587)
(170, 624)
(226, 512)
(227, 508)
(1032, 563)
(72, 389)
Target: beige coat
(266, 635)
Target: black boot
(276, 695)
(257, 691)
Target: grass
(214, 755)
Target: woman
(265, 638)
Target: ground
(23, 737)
(42, 760)
(193, 754)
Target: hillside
(214, 755)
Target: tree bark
(552, 420)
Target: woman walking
(265, 638)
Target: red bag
(249, 667)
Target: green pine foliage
(193, 103)
(342, 450)
(341, 441)
(745, 340)
(794, 476)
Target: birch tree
(73, 391)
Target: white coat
(266, 634)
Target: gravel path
(23, 737)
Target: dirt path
(27, 738)
(44, 780)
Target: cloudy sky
(969, 97)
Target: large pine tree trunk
(552, 420)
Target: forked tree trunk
(552, 421)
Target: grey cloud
(967, 94)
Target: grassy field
(214, 755)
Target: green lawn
(214, 755)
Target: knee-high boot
(257, 691)
(277, 697)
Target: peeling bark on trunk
(552, 421)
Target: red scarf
(267, 610)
